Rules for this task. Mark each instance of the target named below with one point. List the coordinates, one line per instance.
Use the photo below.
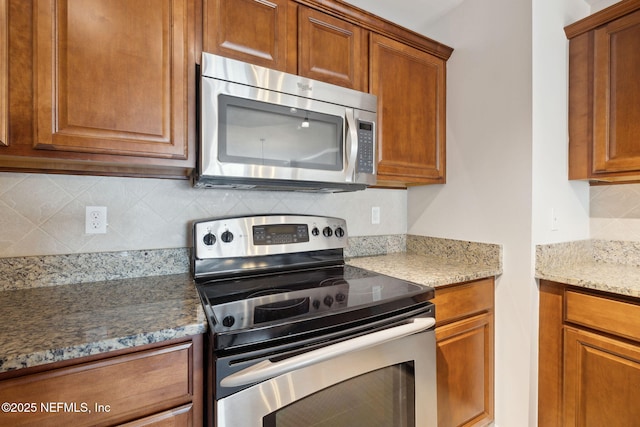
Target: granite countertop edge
(89, 317)
(601, 265)
(427, 270)
(43, 357)
(115, 315)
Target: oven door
(385, 378)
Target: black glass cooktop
(277, 306)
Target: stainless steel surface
(268, 369)
(223, 76)
(230, 70)
(249, 406)
(242, 230)
(292, 328)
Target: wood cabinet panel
(607, 315)
(465, 371)
(602, 377)
(331, 50)
(261, 32)
(616, 92)
(106, 84)
(604, 115)
(4, 73)
(93, 91)
(458, 301)
(165, 381)
(410, 85)
(465, 353)
(587, 377)
(182, 416)
(550, 355)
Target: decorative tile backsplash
(44, 214)
(615, 212)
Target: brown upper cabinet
(410, 85)
(285, 36)
(109, 87)
(261, 32)
(103, 87)
(331, 50)
(604, 112)
(336, 43)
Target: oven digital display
(280, 234)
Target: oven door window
(380, 398)
(260, 133)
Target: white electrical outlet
(95, 220)
(375, 215)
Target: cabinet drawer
(104, 392)
(458, 301)
(607, 315)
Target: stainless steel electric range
(298, 338)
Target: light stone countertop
(428, 270)
(434, 261)
(52, 308)
(609, 266)
(49, 324)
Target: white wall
(507, 165)
(553, 194)
(488, 194)
(506, 160)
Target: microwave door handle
(352, 132)
(266, 369)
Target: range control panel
(267, 235)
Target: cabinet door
(410, 85)
(4, 73)
(331, 50)
(260, 32)
(112, 77)
(182, 416)
(465, 371)
(109, 391)
(616, 92)
(602, 377)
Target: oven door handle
(267, 369)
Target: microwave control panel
(366, 147)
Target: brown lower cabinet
(465, 353)
(589, 357)
(154, 385)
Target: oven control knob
(227, 236)
(315, 231)
(209, 239)
(340, 297)
(339, 232)
(327, 231)
(328, 300)
(316, 304)
(228, 321)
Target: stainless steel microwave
(265, 129)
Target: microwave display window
(259, 133)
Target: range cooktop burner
(252, 309)
(262, 294)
